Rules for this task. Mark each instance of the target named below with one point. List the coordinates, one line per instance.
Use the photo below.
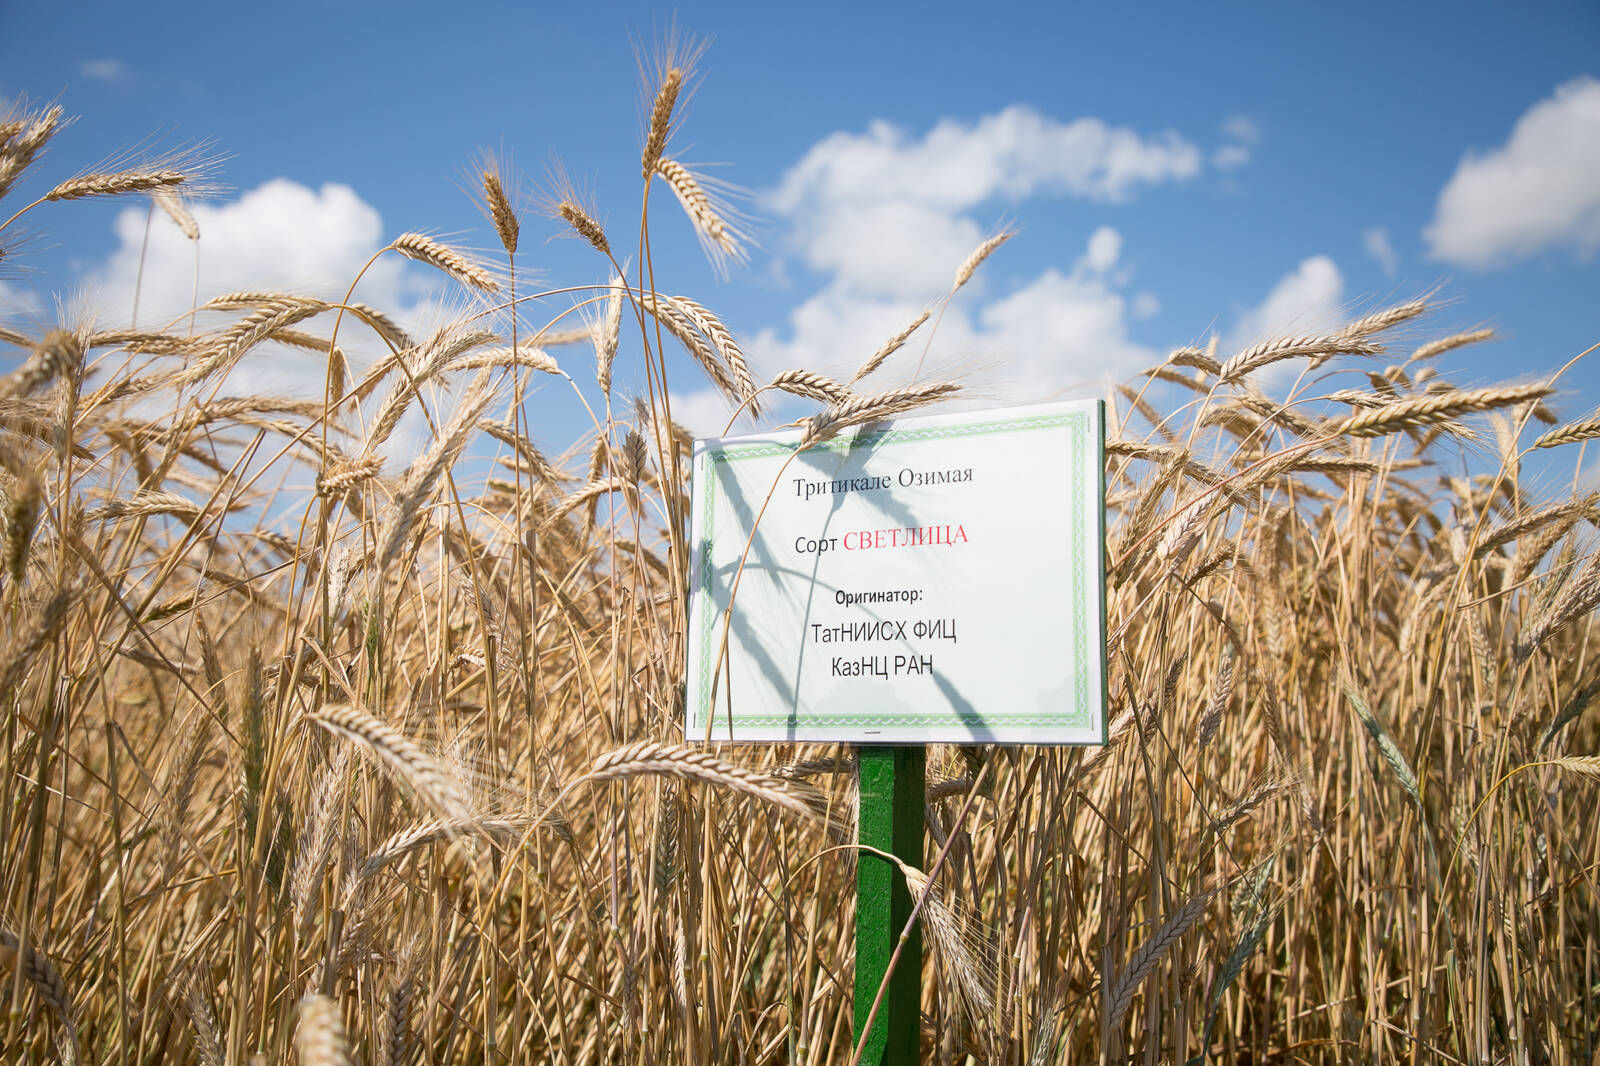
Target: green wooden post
(891, 820)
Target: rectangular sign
(935, 579)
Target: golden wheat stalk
(414, 838)
(208, 1038)
(812, 386)
(530, 456)
(432, 359)
(1450, 343)
(501, 212)
(722, 338)
(1385, 319)
(858, 410)
(380, 323)
(37, 969)
(606, 334)
(967, 958)
(427, 777)
(1275, 351)
(1576, 596)
(30, 133)
(693, 764)
(1425, 410)
(527, 355)
(169, 201)
(225, 351)
(319, 1038)
(1571, 433)
(122, 182)
(1587, 765)
(1523, 524)
(719, 236)
(680, 326)
(1195, 358)
(584, 224)
(144, 504)
(425, 249)
(346, 474)
(655, 141)
(420, 479)
(890, 346)
(970, 265)
(395, 1039)
(1151, 952)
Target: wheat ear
(1450, 343)
(1571, 433)
(1423, 410)
(124, 181)
(1151, 952)
(718, 236)
(585, 226)
(983, 251)
(425, 249)
(426, 775)
(41, 973)
(890, 346)
(655, 141)
(500, 211)
(1275, 351)
(861, 409)
(812, 386)
(319, 1038)
(649, 757)
(170, 202)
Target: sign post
(930, 580)
(890, 820)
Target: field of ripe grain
(314, 755)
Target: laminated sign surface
(931, 579)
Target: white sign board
(937, 579)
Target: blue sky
(1174, 170)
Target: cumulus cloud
(1307, 299)
(888, 213)
(883, 217)
(103, 69)
(1376, 242)
(1535, 192)
(1066, 328)
(281, 236)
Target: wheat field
(316, 754)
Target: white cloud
(1307, 299)
(103, 69)
(885, 218)
(892, 249)
(281, 236)
(703, 412)
(886, 213)
(1014, 154)
(1537, 191)
(1376, 241)
(1242, 135)
(1230, 157)
(1105, 247)
(1241, 128)
(17, 300)
(1064, 329)
(278, 237)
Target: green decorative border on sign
(1080, 426)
